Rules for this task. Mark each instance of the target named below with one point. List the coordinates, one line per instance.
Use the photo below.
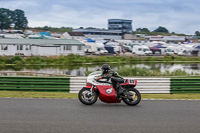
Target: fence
(145, 85)
(185, 85)
(74, 84)
(35, 83)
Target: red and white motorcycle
(104, 90)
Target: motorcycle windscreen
(107, 94)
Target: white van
(101, 49)
(141, 50)
(95, 48)
(167, 51)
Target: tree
(142, 30)
(197, 33)
(90, 28)
(161, 29)
(47, 28)
(6, 18)
(20, 20)
(145, 30)
(138, 29)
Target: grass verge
(22, 94)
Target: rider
(114, 76)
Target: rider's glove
(99, 78)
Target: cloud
(177, 16)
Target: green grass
(26, 94)
(77, 59)
(172, 96)
(22, 94)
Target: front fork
(91, 90)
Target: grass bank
(76, 59)
(21, 94)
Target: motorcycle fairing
(105, 96)
(130, 82)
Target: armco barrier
(77, 83)
(74, 84)
(153, 85)
(145, 85)
(185, 85)
(35, 83)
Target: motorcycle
(104, 90)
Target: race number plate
(131, 81)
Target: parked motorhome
(101, 49)
(141, 50)
(165, 50)
(127, 48)
(179, 49)
(94, 48)
(193, 48)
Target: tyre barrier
(74, 84)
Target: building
(101, 33)
(117, 29)
(40, 47)
(167, 38)
(120, 24)
(73, 35)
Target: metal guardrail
(74, 84)
(153, 85)
(185, 85)
(145, 85)
(34, 83)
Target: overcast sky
(180, 16)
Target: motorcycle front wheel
(135, 97)
(87, 97)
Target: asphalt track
(70, 116)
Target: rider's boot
(120, 92)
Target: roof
(154, 48)
(76, 34)
(159, 46)
(41, 41)
(97, 30)
(119, 20)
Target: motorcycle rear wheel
(136, 96)
(86, 98)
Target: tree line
(54, 29)
(16, 19)
(159, 29)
